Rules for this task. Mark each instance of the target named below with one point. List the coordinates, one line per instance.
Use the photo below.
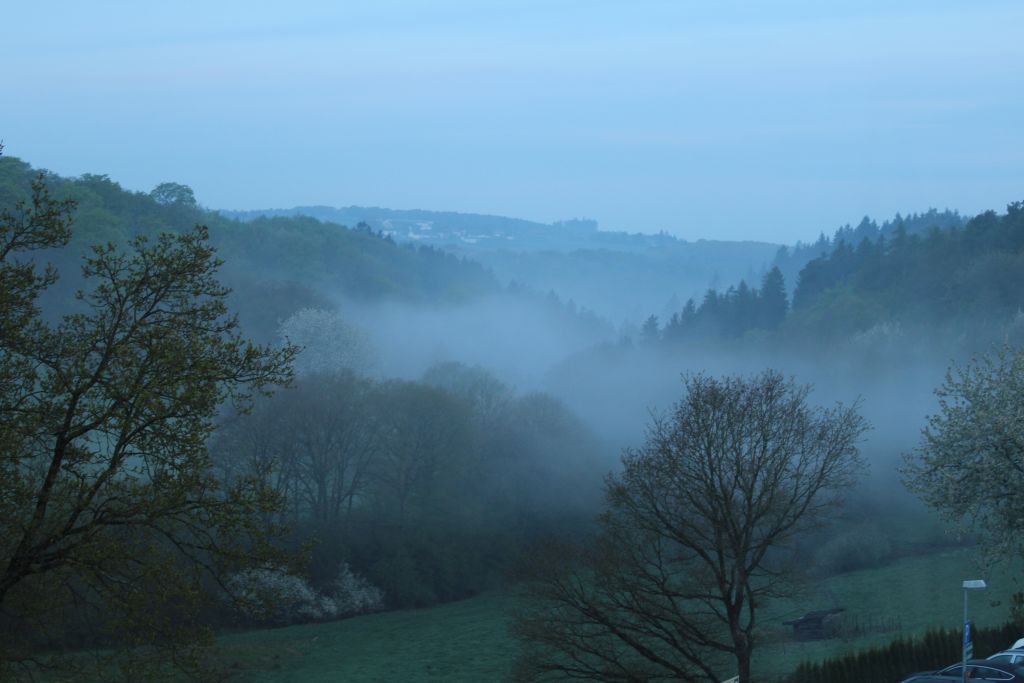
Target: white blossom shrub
(271, 595)
(329, 343)
(353, 594)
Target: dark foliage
(733, 313)
(791, 260)
(974, 274)
(429, 489)
(934, 650)
(933, 271)
(110, 518)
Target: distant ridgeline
(471, 232)
(572, 258)
(439, 228)
(275, 265)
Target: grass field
(462, 641)
(904, 598)
(468, 641)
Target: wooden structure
(816, 625)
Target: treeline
(732, 313)
(972, 274)
(948, 276)
(936, 649)
(791, 260)
(276, 266)
(429, 489)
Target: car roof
(1002, 666)
(1018, 651)
(1015, 669)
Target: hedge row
(936, 649)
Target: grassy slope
(904, 598)
(467, 641)
(462, 641)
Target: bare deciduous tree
(692, 542)
(313, 444)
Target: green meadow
(468, 640)
(460, 641)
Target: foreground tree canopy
(691, 544)
(970, 462)
(107, 500)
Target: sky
(768, 120)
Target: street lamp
(971, 584)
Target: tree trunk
(743, 666)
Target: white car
(1014, 655)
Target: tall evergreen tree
(773, 299)
(649, 333)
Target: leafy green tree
(107, 498)
(691, 544)
(970, 463)
(174, 194)
(37, 224)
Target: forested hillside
(963, 279)
(283, 263)
(791, 260)
(971, 277)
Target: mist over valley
(534, 342)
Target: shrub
(271, 595)
(353, 594)
(935, 649)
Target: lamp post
(972, 584)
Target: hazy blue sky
(715, 119)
